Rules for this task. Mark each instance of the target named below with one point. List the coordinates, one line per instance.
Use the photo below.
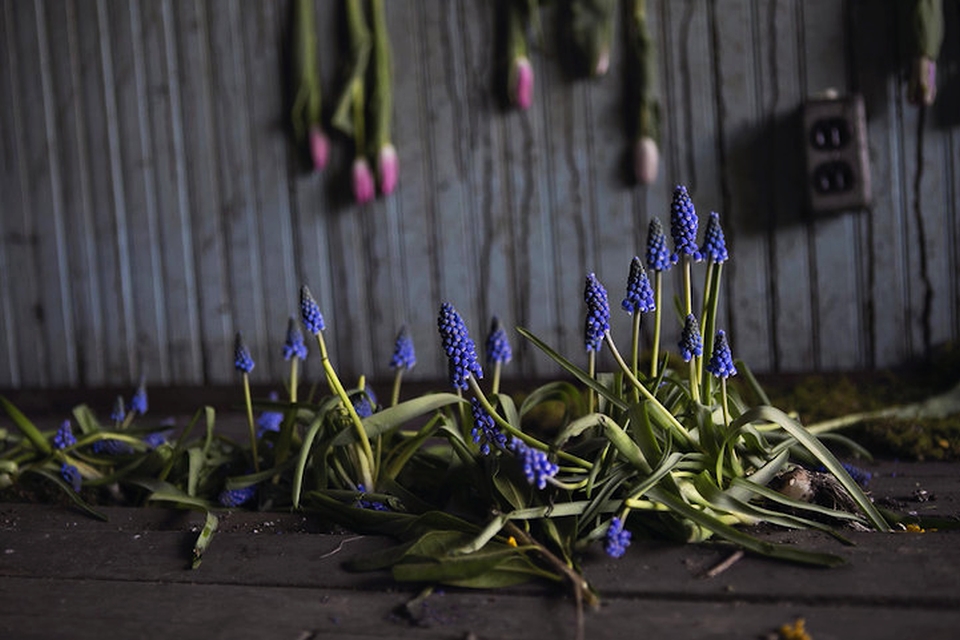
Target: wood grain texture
(154, 202)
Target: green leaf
(562, 390)
(68, 490)
(574, 370)
(305, 451)
(393, 417)
(711, 523)
(450, 569)
(27, 428)
(625, 445)
(815, 447)
(204, 539)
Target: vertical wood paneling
(153, 202)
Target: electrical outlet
(838, 168)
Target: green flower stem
(306, 110)
(495, 385)
(635, 350)
(592, 371)
(671, 419)
(365, 455)
(694, 379)
(726, 411)
(253, 430)
(349, 112)
(658, 298)
(381, 98)
(509, 428)
(687, 286)
(294, 378)
(711, 300)
(395, 392)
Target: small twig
(731, 560)
(339, 547)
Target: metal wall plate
(838, 167)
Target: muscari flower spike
(404, 356)
(269, 421)
(714, 246)
(658, 256)
(683, 225)
(112, 447)
(691, 343)
(64, 437)
(138, 403)
(617, 539)
(119, 410)
(460, 349)
(498, 345)
(597, 321)
(294, 346)
(310, 312)
(242, 360)
(362, 405)
(536, 465)
(721, 361)
(237, 497)
(373, 505)
(155, 439)
(485, 431)
(639, 291)
(71, 475)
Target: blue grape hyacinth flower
(714, 245)
(138, 404)
(404, 355)
(658, 256)
(597, 321)
(498, 345)
(237, 497)
(119, 410)
(691, 343)
(310, 312)
(639, 291)
(721, 361)
(460, 349)
(536, 465)
(373, 505)
(485, 431)
(71, 475)
(617, 539)
(242, 360)
(64, 437)
(294, 346)
(112, 447)
(683, 225)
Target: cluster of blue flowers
(536, 465)
(310, 312)
(658, 256)
(71, 475)
(460, 349)
(112, 447)
(485, 431)
(639, 297)
(714, 246)
(138, 404)
(237, 497)
(721, 362)
(498, 345)
(597, 322)
(617, 539)
(64, 437)
(363, 503)
(404, 357)
(294, 346)
(691, 343)
(683, 225)
(119, 410)
(242, 360)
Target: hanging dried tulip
(520, 80)
(928, 34)
(381, 102)
(350, 111)
(642, 76)
(591, 29)
(306, 114)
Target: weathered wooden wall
(151, 203)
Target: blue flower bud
(294, 346)
(498, 345)
(242, 360)
(639, 292)
(404, 356)
(310, 312)
(658, 256)
(460, 349)
(721, 361)
(691, 344)
(597, 321)
(683, 225)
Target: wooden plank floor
(270, 575)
